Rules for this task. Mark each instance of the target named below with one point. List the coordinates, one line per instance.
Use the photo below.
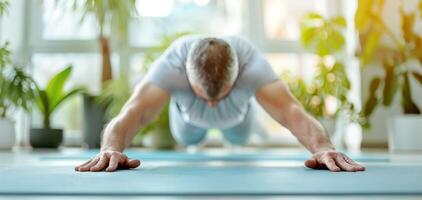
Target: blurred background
(69, 65)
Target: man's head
(212, 68)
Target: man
(210, 83)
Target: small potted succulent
(47, 101)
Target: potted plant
(399, 56)
(325, 94)
(112, 16)
(47, 101)
(16, 91)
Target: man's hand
(108, 161)
(334, 161)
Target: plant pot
(93, 122)
(7, 134)
(45, 138)
(404, 133)
(159, 138)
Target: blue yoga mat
(211, 180)
(204, 156)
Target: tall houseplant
(112, 17)
(400, 58)
(47, 101)
(325, 95)
(16, 91)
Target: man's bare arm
(142, 107)
(277, 100)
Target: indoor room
(206, 99)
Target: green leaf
(372, 101)
(307, 35)
(49, 99)
(339, 21)
(66, 96)
(56, 85)
(42, 102)
(409, 107)
(362, 12)
(4, 5)
(322, 36)
(390, 85)
(407, 25)
(369, 46)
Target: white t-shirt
(168, 72)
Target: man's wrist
(111, 148)
(323, 147)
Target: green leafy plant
(111, 15)
(49, 99)
(16, 87)
(395, 57)
(4, 5)
(324, 38)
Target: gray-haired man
(210, 83)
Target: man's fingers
(356, 165)
(102, 164)
(341, 162)
(329, 162)
(311, 163)
(133, 163)
(88, 166)
(109, 161)
(77, 167)
(114, 163)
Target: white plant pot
(7, 134)
(405, 133)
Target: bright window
(61, 23)
(200, 17)
(281, 17)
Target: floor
(28, 157)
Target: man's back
(169, 73)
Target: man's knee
(237, 136)
(188, 139)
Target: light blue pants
(188, 134)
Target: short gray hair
(212, 63)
